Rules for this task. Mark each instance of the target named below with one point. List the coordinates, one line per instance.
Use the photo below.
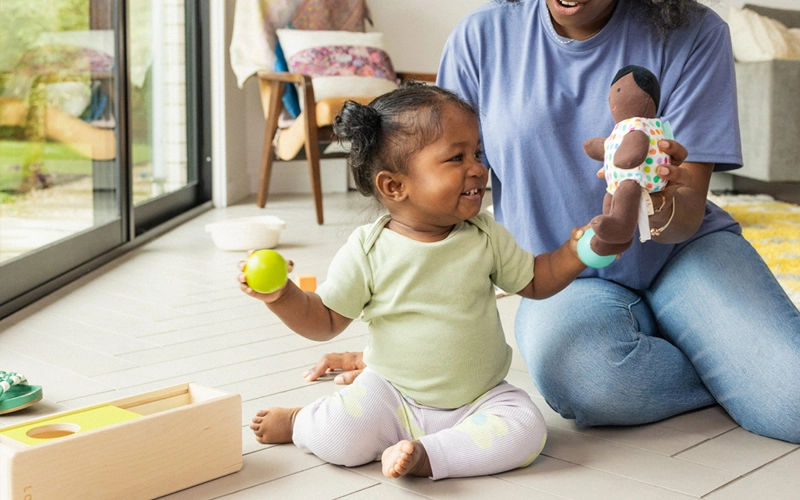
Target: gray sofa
(769, 111)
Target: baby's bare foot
(406, 457)
(274, 425)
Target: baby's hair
(644, 79)
(384, 134)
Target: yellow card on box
(45, 431)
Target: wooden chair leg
(267, 154)
(312, 150)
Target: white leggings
(500, 431)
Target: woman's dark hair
(644, 79)
(666, 15)
(384, 134)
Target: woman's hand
(264, 297)
(685, 194)
(351, 362)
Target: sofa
(769, 111)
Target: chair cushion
(327, 109)
(291, 139)
(342, 63)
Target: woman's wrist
(680, 217)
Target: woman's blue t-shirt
(539, 99)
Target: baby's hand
(264, 297)
(577, 233)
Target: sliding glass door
(102, 131)
(167, 71)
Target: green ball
(588, 256)
(266, 271)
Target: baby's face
(446, 180)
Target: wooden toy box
(142, 446)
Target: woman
(694, 317)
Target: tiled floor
(171, 312)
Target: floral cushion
(342, 63)
(341, 60)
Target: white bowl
(247, 233)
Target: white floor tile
(725, 451)
(778, 480)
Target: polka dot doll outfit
(501, 430)
(645, 174)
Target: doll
(630, 156)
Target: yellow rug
(773, 228)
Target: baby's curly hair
(665, 15)
(384, 134)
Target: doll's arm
(632, 150)
(595, 148)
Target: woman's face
(580, 19)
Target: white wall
(231, 181)
(416, 30)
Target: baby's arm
(553, 271)
(301, 311)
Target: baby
(433, 401)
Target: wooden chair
(317, 127)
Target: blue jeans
(714, 327)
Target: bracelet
(663, 202)
(657, 232)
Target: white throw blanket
(760, 38)
(253, 39)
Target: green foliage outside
(25, 157)
(25, 20)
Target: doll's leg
(501, 431)
(607, 199)
(617, 226)
(355, 425)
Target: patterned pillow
(342, 63)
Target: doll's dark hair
(665, 15)
(384, 134)
(644, 79)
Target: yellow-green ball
(266, 271)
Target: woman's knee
(769, 414)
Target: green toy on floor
(15, 393)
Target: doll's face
(627, 100)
